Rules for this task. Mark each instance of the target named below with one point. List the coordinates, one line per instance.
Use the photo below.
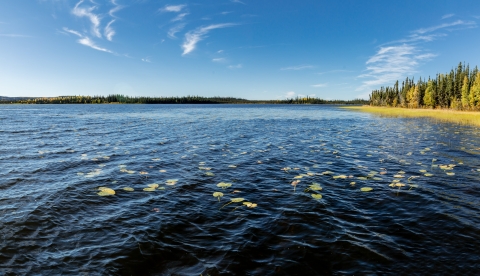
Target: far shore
(443, 115)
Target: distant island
(122, 99)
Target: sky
(252, 49)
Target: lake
(420, 217)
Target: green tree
(428, 99)
(475, 92)
(465, 93)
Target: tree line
(459, 89)
(122, 99)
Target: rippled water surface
(54, 158)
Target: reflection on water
(420, 215)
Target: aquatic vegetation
(234, 200)
(153, 185)
(209, 174)
(232, 166)
(366, 189)
(294, 184)
(149, 189)
(250, 204)
(104, 191)
(171, 182)
(224, 185)
(316, 196)
(218, 195)
(128, 189)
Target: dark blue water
(54, 158)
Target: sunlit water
(53, 159)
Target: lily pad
(224, 185)
(428, 174)
(128, 189)
(317, 196)
(149, 189)
(209, 174)
(154, 185)
(218, 195)
(366, 189)
(171, 182)
(104, 191)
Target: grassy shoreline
(441, 115)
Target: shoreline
(471, 118)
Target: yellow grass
(443, 115)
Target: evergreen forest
(459, 89)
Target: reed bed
(443, 115)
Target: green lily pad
(317, 196)
(224, 185)
(366, 189)
(218, 195)
(149, 189)
(104, 191)
(315, 187)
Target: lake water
(54, 158)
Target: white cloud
(175, 29)
(319, 85)
(290, 94)
(173, 8)
(238, 66)
(298, 67)
(445, 25)
(72, 32)
(219, 60)
(87, 12)
(403, 57)
(115, 9)
(195, 36)
(146, 60)
(109, 31)
(180, 17)
(237, 1)
(448, 15)
(88, 42)
(392, 63)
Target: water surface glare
(422, 216)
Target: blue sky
(239, 48)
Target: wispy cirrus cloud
(173, 8)
(115, 9)
(298, 67)
(319, 85)
(445, 25)
(238, 66)
(175, 29)
(398, 59)
(219, 60)
(448, 15)
(180, 17)
(197, 35)
(88, 12)
(109, 31)
(86, 41)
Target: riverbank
(443, 115)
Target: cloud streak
(296, 68)
(86, 41)
(173, 8)
(175, 29)
(87, 12)
(109, 31)
(197, 35)
(397, 59)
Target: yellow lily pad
(317, 196)
(366, 189)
